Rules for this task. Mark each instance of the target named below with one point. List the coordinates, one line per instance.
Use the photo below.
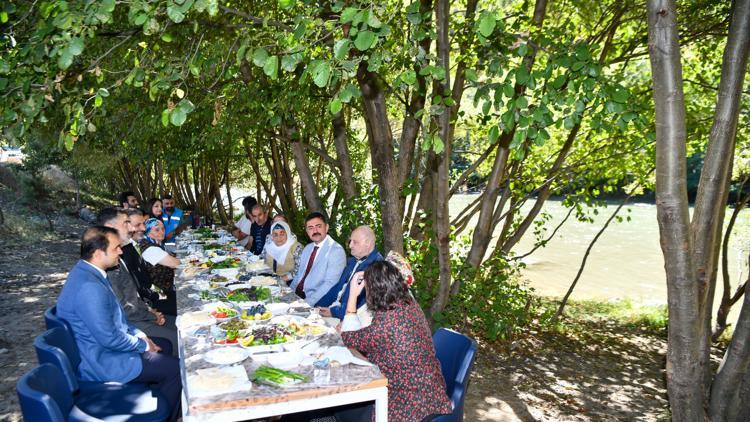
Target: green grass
(624, 313)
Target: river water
(625, 263)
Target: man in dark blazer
(111, 348)
(362, 246)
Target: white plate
(225, 355)
(278, 309)
(263, 280)
(285, 360)
(218, 381)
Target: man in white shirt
(242, 227)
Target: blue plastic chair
(456, 353)
(44, 395)
(103, 400)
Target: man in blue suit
(321, 263)
(362, 246)
(111, 349)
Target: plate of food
(263, 280)
(266, 335)
(256, 312)
(218, 381)
(223, 313)
(225, 355)
(192, 319)
(257, 266)
(249, 294)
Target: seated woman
(159, 262)
(399, 342)
(153, 208)
(283, 252)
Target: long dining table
(226, 391)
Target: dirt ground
(611, 373)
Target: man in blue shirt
(321, 263)
(111, 348)
(172, 218)
(362, 246)
(259, 230)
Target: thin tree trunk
(381, 151)
(342, 156)
(708, 216)
(483, 233)
(306, 178)
(564, 301)
(726, 301)
(684, 375)
(442, 179)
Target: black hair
(249, 202)
(166, 196)
(385, 286)
(314, 215)
(123, 198)
(150, 205)
(95, 239)
(108, 215)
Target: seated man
(137, 303)
(111, 349)
(128, 200)
(321, 264)
(362, 246)
(242, 227)
(172, 218)
(259, 230)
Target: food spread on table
(253, 322)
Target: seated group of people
(120, 301)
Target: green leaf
(523, 49)
(178, 116)
(437, 144)
(373, 21)
(365, 40)
(286, 4)
(522, 75)
(69, 141)
(522, 102)
(3, 17)
(321, 71)
(348, 14)
(75, 47)
(165, 117)
(409, 77)
(185, 105)
(486, 24)
(271, 68)
(493, 134)
(166, 38)
(290, 62)
(508, 90)
(471, 75)
(341, 49)
(103, 92)
(176, 16)
(65, 59)
(260, 55)
(98, 101)
(140, 19)
(336, 106)
(621, 95)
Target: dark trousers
(168, 306)
(162, 371)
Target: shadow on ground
(609, 373)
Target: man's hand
(151, 346)
(160, 320)
(324, 312)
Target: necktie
(301, 286)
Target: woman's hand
(358, 284)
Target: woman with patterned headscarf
(159, 262)
(283, 251)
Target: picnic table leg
(381, 405)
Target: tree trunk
(342, 155)
(483, 231)
(684, 374)
(305, 176)
(381, 151)
(708, 216)
(726, 301)
(442, 177)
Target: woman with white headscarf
(283, 251)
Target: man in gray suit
(321, 264)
